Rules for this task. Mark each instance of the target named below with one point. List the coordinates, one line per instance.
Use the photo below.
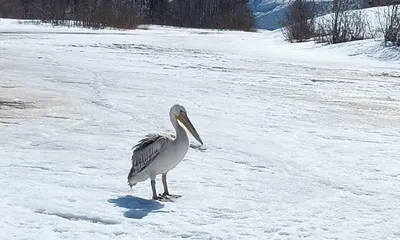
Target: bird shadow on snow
(138, 208)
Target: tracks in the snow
(76, 217)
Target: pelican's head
(179, 113)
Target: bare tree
(12, 8)
(234, 14)
(389, 19)
(344, 24)
(219, 14)
(300, 23)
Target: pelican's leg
(155, 197)
(153, 188)
(166, 192)
(164, 182)
(152, 175)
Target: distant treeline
(217, 14)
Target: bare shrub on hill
(300, 23)
(344, 24)
(389, 21)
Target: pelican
(158, 153)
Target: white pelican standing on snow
(159, 153)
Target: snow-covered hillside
(269, 13)
(301, 141)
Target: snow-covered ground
(301, 141)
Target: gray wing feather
(146, 151)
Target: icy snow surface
(301, 141)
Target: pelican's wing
(146, 151)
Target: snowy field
(300, 141)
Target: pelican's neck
(180, 131)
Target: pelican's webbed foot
(167, 194)
(162, 198)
